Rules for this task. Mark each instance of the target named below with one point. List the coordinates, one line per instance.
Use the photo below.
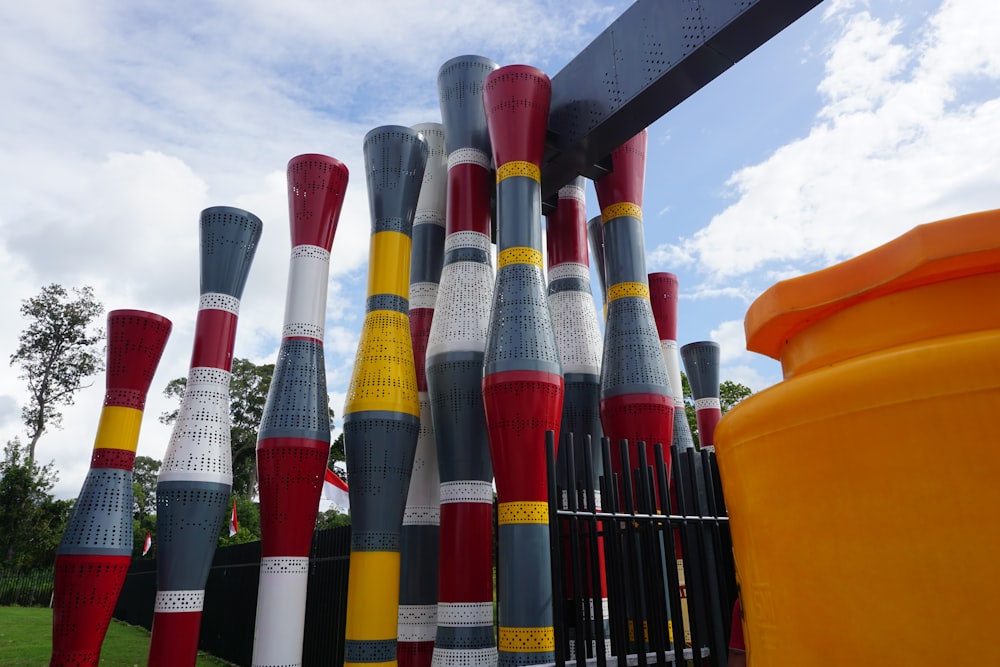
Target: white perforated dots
(707, 404)
(462, 311)
(422, 516)
(310, 252)
(467, 239)
(470, 491)
(480, 657)
(469, 156)
(578, 334)
(464, 614)
(216, 301)
(423, 295)
(417, 623)
(572, 192)
(168, 602)
(199, 448)
(569, 270)
(284, 565)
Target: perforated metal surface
(316, 188)
(135, 343)
(395, 158)
(462, 311)
(464, 658)
(188, 518)
(701, 361)
(521, 334)
(297, 403)
(460, 91)
(632, 360)
(229, 239)
(199, 444)
(102, 517)
(293, 470)
(516, 100)
(384, 375)
(577, 331)
(86, 590)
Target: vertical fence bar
(598, 587)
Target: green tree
(31, 520)
(144, 474)
(331, 519)
(57, 353)
(248, 517)
(730, 393)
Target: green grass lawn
(26, 641)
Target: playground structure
(504, 358)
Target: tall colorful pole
(382, 413)
(95, 551)
(636, 401)
(418, 545)
(578, 339)
(522, 379)
(701, 362)
(455, 351)
(294, 439)
(574, 320)
(192, 491)
(595, 233)
(664, 294)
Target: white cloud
(907, 135)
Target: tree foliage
(57, 352)
(730, 393)
(31, 520)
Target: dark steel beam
(652, 58)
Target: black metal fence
(663, 538)
(667, 553)
(26, 588)
(229, 615)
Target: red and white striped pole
(663, 296)
(636, 400)
(578, 338)
(522, 378)
(192, 491)
(293, 443)
(701, 361)
(418, 540)
(465, 635)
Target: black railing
(26, 588)
(664, 540)
(665, 544)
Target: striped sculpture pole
(663, 296)
(192, 491)
(293, 443)
(595, 232)
(636, 401)
(578, 339)
(418, 543)
(95, 551)
(382, 412)
(455, 351)
(574, 320)
(701, 363)
(522, 379)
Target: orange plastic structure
(863, 489)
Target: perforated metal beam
(653, 57)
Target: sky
(120, 121)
